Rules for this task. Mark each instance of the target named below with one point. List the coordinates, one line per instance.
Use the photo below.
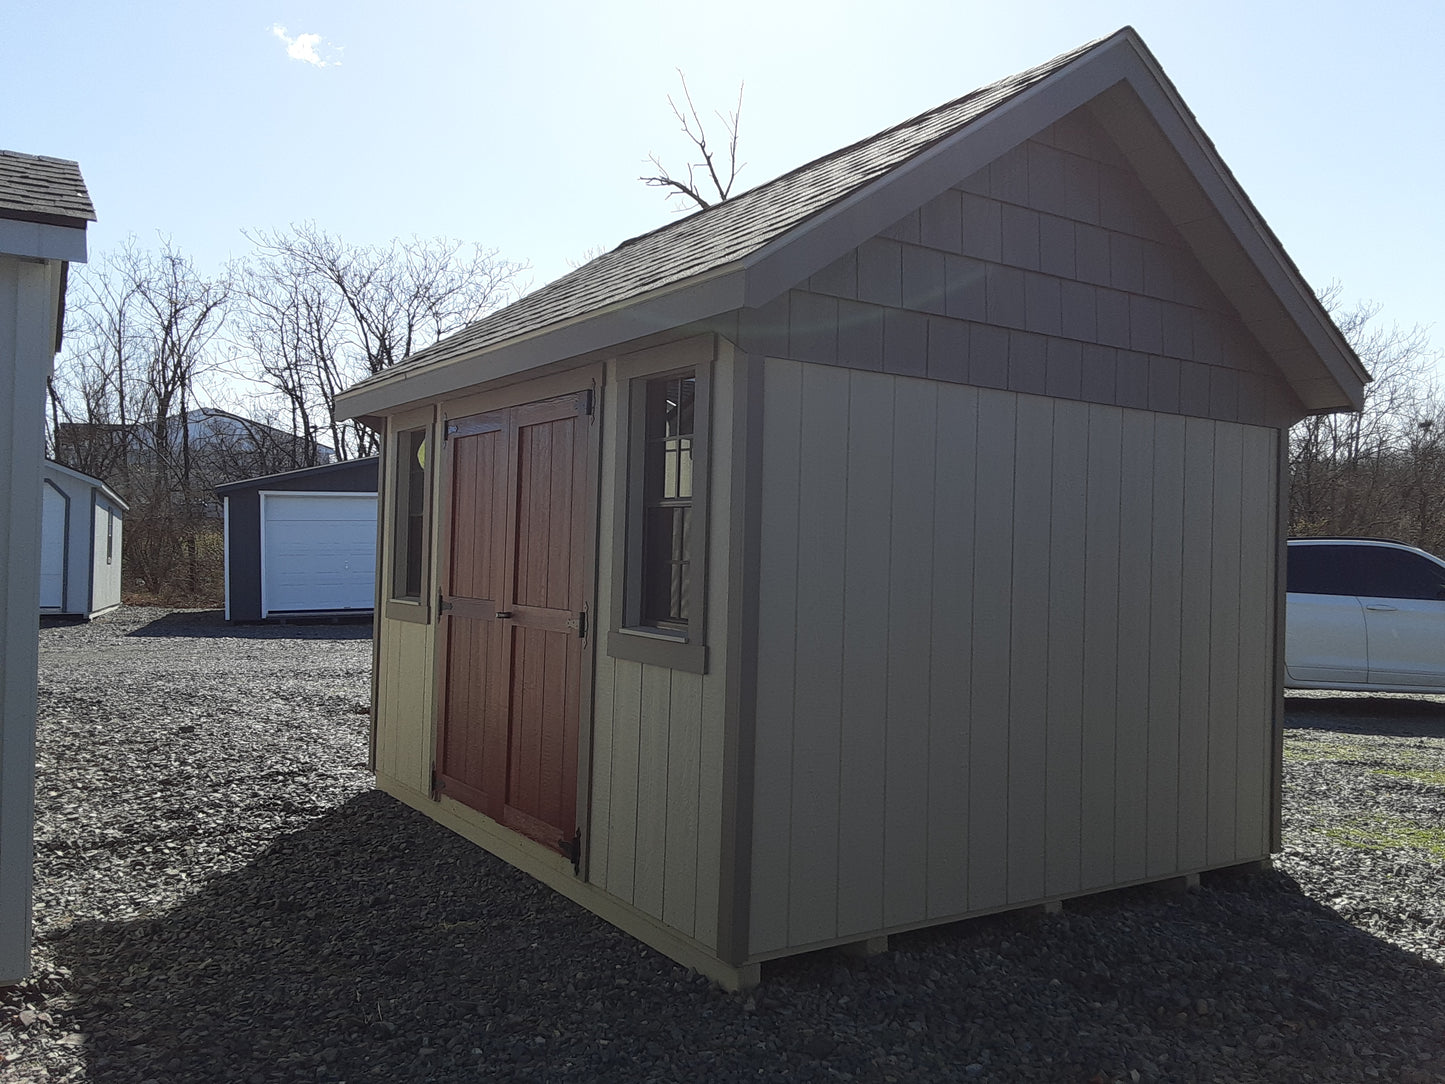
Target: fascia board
(41, 241)
(808, 248)
(676, 307)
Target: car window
(1398, 574)
(1325, 570)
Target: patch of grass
(1388, 833)
(1433, 778)
(1306, 750)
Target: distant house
(81, 535)
(44, 208)
(896, 542)
(301, 544)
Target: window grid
(667, 500)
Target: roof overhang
(346, 466)
(1130, 95)
(676, 306)
(95, 483)
(52, 239)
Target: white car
(1366, 614)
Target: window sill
(403, 610)
(657, 647)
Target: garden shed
(81, 526)
(301, 544)
(44, 210)
(896, 542)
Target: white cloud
(303, 47)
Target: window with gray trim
(658, 611)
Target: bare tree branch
(1379, 471)
(722, 175)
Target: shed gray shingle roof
(727, 232)
(34, 188)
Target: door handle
(1383, 609)
(502, 615)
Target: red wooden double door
(515, 583)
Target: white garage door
(52, 549)
(318, 552)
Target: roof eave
(86, 479)
(42, 240)
(675, 306)
(227, 488)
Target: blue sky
(525, 127)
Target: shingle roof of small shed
(728, 231)
(740, 253)
(36, 188)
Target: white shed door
(318, 552)
(52, 549)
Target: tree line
(171, 381)
(1379, 472)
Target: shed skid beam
(868, 947)
(1189, 882)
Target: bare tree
(140, 332)
(1379, 471)
(720, 175)
(135, 396)
(320, 314)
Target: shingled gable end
(895, 542)
(44, 209)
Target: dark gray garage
(301, 544)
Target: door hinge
(443, 604)
(448, 431)
(572, 849)
(584, 403)
(580, 624)
(436, 783)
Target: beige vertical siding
(655, 824)
(1012, 648)
(405, 685)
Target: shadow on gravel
(372, 944)
(1392, 716)
(60, 621)
(212, 623)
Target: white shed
(44, 208)
(81, 520)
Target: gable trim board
(992, 594)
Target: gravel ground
(222, 896)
